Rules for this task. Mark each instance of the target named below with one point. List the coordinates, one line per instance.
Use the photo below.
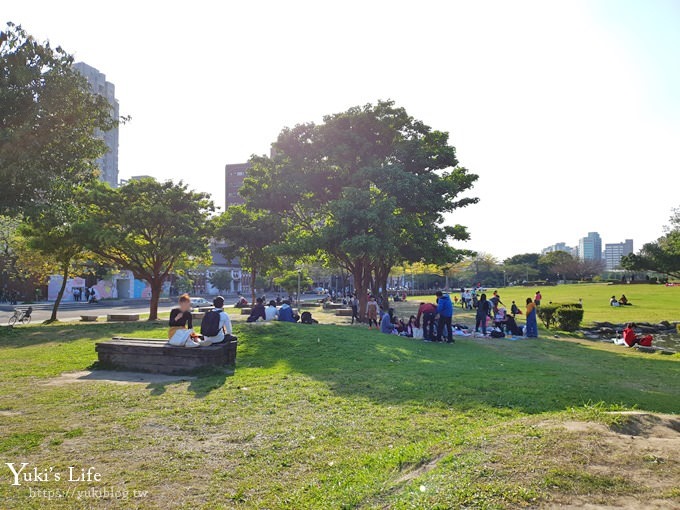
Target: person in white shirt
(225, 323)
(271, 311)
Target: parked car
(199, 302)
(320, 290)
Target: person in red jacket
(631, 338)
(428, 311)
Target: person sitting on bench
(180, 317)
(216, 324)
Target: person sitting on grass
(630, 338)
(286, 313)
(216, 324)
(511, 326)
(623, 301)
(271, 311)
(258, 311)
(614, 302)
(386, 325)
(532, 323)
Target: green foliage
(567, 316)
(546, 313)
(368, 187)
(251, 235)
(661, 256)
(289, 281)
(48, 124)
(148, 227)
(221, 279)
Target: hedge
(567, 316)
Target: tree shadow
(529, 375)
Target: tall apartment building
(233, 180)
(590, 247)
(559, 247)
(614, 252)
(108, 163)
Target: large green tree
(250, 235)
(149, 228)
(369, 188)
(48, 123)
(51, 232)
(661, 256)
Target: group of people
(215, 326)
(622, 301)
(283, 313)
(91, 294)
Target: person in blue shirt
(286, 313)
(445, 311)
(386, 325)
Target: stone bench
(122, 317)
(203, 309)
(156, 356)
(89, 318)
(334, 306)
(344, 313)
(309, 305)
(246, 311)
(197, 315)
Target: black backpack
(210, 325)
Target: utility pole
(299, 271)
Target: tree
(148, 227)
(48, 124)
(250, 235)
(221, 279)
(661, 256)
(289, 281)
(368, 188)
(555, 262)
(52, 233)
(561, 264)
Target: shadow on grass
(531, 376)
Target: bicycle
(21, 316)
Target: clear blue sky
(569, 110)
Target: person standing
(427, 311)
(372, 312)
(354, 303)
(532, 323)
(445, 311)
(537, 298)
(483, 311)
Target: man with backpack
(216, 324)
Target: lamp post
(299, 271)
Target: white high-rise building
(108, 163)
(559, 247)
(614, 252)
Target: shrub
(551, 314)
(569, 317)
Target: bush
(547, 314)
(569, 317)
(565, 315)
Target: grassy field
(651, 303)
(334, 417)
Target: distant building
(560, 247)
(108, 163)
(233, 181)
(614, 252)
(590, 247)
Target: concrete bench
(246, 311)
(203, 309)
(122, 317)
(344, 313)
(334, 306)
(156, 356)
(89, 318)
(197, 315)
(309, 305)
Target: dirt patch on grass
(115, 377)
(632, 464)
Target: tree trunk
(62, 289)
(156, 286)
(362, 278)
(253, 275)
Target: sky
(568, 110)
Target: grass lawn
(332, 416)
(651, 303)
